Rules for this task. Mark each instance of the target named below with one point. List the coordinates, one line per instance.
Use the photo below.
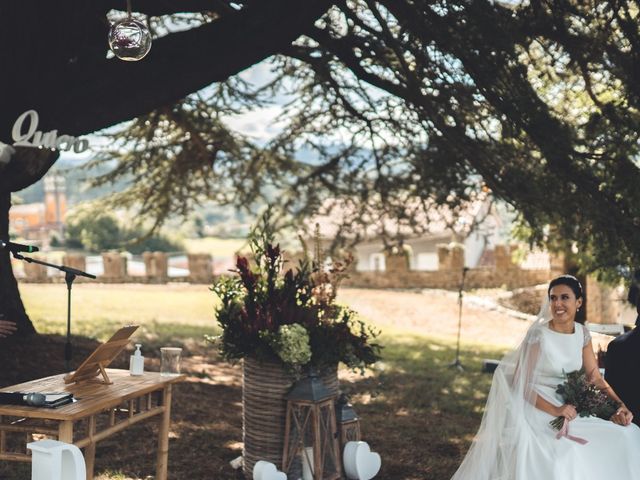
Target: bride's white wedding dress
(515, 440)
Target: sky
(259, 124)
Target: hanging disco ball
(129, 40)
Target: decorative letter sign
(32, 137)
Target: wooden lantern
(311, 437)
(347, 420)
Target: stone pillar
(396, 262)
(115, 266)
(457, 257)
(200, 267)
(156, 266)
(35, 272)
(605, 303)
(450, 256)
(444, 258)
(557, 264)
(75, 260)
(503, 257)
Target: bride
(515, 440)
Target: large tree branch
(167, 7)
(27, 166)
(89, 94)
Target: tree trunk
(11, 305)
(27, 166)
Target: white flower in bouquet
(293, 344)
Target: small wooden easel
(101, 357)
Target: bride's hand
(567, 411)
(622, 416)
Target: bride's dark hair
(570, 281)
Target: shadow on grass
(206, 428)
(205, 432)
(415, 410)
(157, 333)
(418, 412)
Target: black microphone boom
(17, 247)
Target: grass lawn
(415, 410)
(419, 413)
(174, 311)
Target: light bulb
(129, 40)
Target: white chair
(54, 460)
(606, 328)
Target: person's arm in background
(623, 415)
(612, 368)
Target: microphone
(34, 399)
(19, 398)
(17, 247)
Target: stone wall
(115, 269)
(200, 268)
(115, 266)
(448, 279)
(397, 274)
(75, 260)
(156, 266)
(505, 274)
(607, 304)
(36, 271)
(450, 257)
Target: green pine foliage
(401, 106)
(99, 231)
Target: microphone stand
(456, 363)
(69, 276)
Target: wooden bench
(606, 328)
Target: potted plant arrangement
(281, 323)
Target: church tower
(55, 202)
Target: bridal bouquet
(587, 399)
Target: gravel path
(434, 313)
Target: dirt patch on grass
(526, 300)
(434, 313)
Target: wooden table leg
(65, 431)
(3, 438)
(65, 434)
(163, 436)
(90, 450)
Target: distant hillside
(207, 220)
(216, 220)
(77, 191)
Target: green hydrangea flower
(293, 344)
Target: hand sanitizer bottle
(136, 362)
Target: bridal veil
(507, 428)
